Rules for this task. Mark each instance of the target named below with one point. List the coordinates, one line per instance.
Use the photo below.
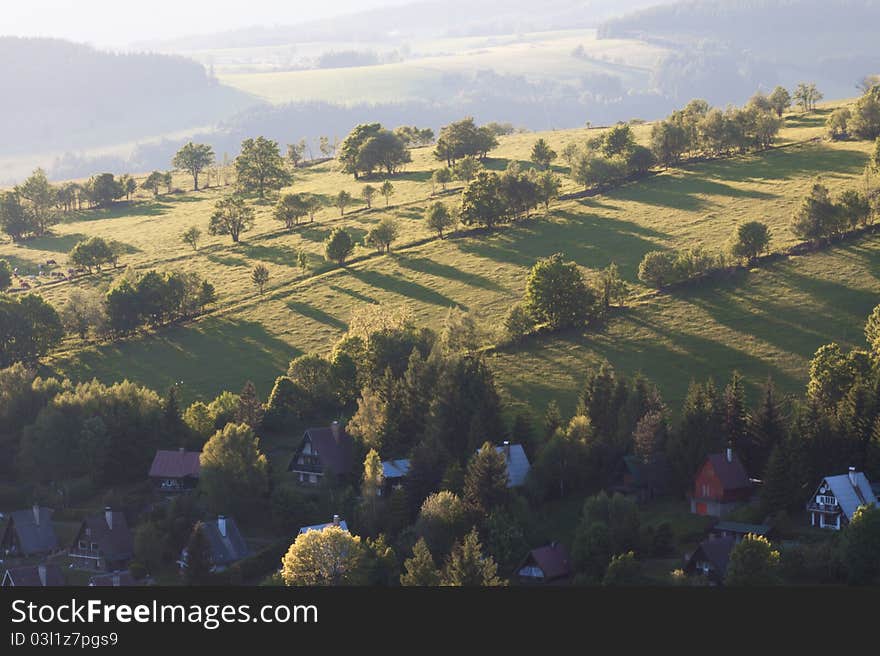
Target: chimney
(507, 450)
(221, 525)
(36, 514)
(41, 571)
(729, 454)
(335, 520)
(108, 515)
(852, 477)
(335, 428)
(182, 450)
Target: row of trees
(862, 121)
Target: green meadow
(766, 322)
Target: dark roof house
(545, 565)
(32, 576)
(225, 543)
(642, 479)
(323, 451)
(103, 542)
(29, 532)
(174, 471)
(710, 559)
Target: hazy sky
(120, 22)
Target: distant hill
(61, 95)
(831, 42)
(431, 18)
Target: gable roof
(175, 464)
(717, 552)
(335, 453)
(731, 472)
(850, 497)
(225, 549)
(116, 543)
(117, 580)
(321, 527)
(33, 536)
(553, 560)
(395, 468)
(29, 576)
(517, 463)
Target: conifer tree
(250, 409)
(468, 567)
(420, 570)
(485, 482)
(198, 557)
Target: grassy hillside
(765, 323)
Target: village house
(32, 576)
(721, 485)
(838, 497)
(323, 452)
(517, 463)
(710, 559)
(175, 471)
(643, 480)
(393, 473)
(225, 543)
(28, 533)
(320, 527)
(104, 542)
(548, 564)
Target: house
(837, 498)
(546, 564)
(644, 480)
(738, 530)
(116, 580)
(393, 473)
(175, 471)
(32, 576)
(710, 559)
(323, 451)
(517, 463)
(721, 485)
(29, 532)
(103, 542)
(320, 527)
(225, 543)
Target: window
(83, 545)
(313, 478)
(826, 500)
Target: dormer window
(826, 500)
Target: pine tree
(420, 570)
(552, 420)
(522, 431)
(697, 434)
(599, 402)
(767, 428)
(735, 424)
(779, 490)
(485, 482)
(198, 557)
(174, 428)
(468, 567)
(250, 409)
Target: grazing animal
(51, 263)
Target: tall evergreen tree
(767, 428)
(421, 570)
(735, 426)
(250, 409)
(198, 557)
(552, 419)
(485, 482)
(468, 567)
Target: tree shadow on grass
(283, 255)
(210, 356)
(433, 268)
(228, 260)
(363, 298)
(402, 287)
(683, 192)
(589, 240)
(316, 314)
(52, 242)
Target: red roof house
(721, 485)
